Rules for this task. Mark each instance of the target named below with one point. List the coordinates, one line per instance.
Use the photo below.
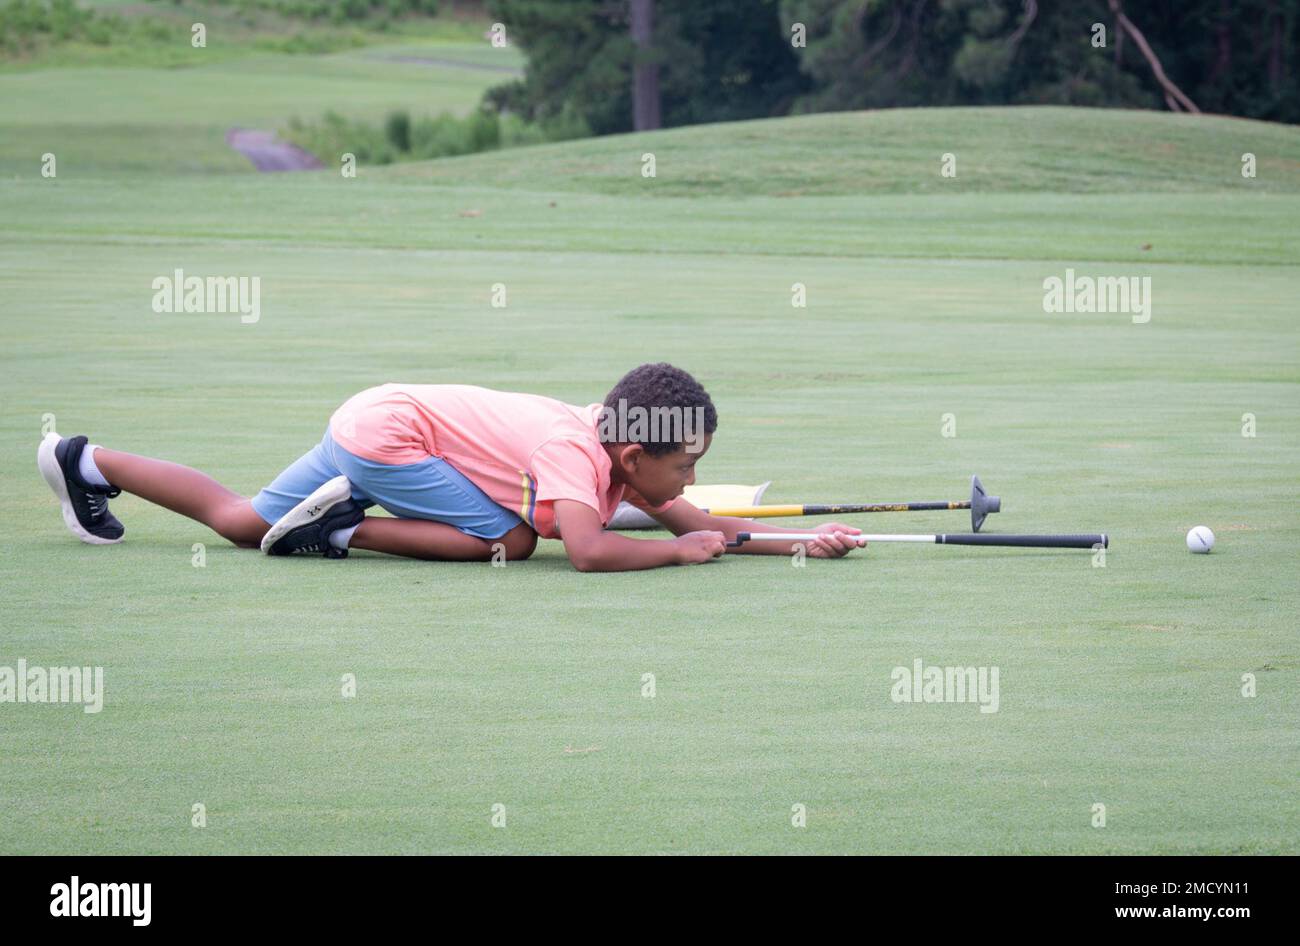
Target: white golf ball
(1200, 540)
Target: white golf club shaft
(1070, 541)
(812, 536)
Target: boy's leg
(441, 514)
(184, 490)
(422, 538)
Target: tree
(1174, 96)
(645, 70)
(715, 61)
(731, 59)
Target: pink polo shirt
(523, 450)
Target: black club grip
(1085, 541)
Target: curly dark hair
(664, 387)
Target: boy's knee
(520, 542)
(239, 525)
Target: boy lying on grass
(461, 469)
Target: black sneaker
(85, 507)
(306, 528)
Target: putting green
(523, 686)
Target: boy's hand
(593, 549)
(831, 543)
(696, 547)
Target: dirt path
(269, 153)
(453, 63)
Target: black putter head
(981, 504)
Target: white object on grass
(628, 516)
(1200, 539)
(326, 497)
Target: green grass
(899, 151)
(158, 34)
(107, 121)
(522, 685)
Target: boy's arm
(681, 517)
(591, 549)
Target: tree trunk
(1223, 41)
(1275, 47)
(1174, 96)
(645, 72)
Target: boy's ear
(630, 455)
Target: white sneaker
(85, 507)
(311, 510)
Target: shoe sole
(325, 498)
(48, 464)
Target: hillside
(898, 151)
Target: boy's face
(660, 478)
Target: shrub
(397, 129)
(401, 138)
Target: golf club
(1086, 541)
(980, 505)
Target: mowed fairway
(523, 686)
(139, 122)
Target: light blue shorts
(431, 489)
